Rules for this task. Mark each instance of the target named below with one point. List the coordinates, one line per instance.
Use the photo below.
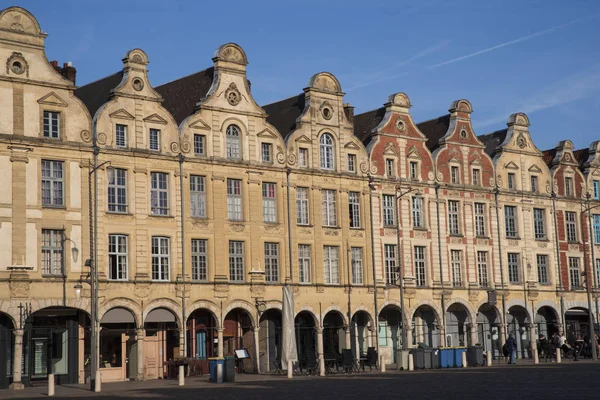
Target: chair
(276, 365)
(371, 360)
(348, 361)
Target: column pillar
(369, 338)
(474, 335)
(409, 335)
(255, 334)
(348, 338)
(17, 360)
(320, 351)
(141, 362)
(356, 341)
(220, 343)
(533, 343)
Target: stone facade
(204, 198)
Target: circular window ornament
(327, 113)
(400, 125)
(138, 84)
(463, 134)
(232, 94)
(17, 67)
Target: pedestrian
(546, 348)
(511, 347)
(555, 343)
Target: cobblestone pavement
(526, 381)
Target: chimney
(69, 71)
(56, 67)
(349, 111)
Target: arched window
(233, 142)
(327, 157)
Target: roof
(548, 156)
(283, 114)
(364, 123)
(96, 93)
(181, 95)
(435, 129)
(493, 140)
(581, 156)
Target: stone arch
(243, 305)
(400, 99)
(13, 318)
(339, 311)
(12, 19)
(231, 52)
(312, 313)
(274, 304)
(494, 307)
(436, 311)
(205, 305)
(166, 304)
(549, 304)
(462, 105)
(519, 118)
(137, 56)
(121, 302)
(518, 303)
(364, 309)
(80, 304)
(395, 303)
(234, 121)
(575, 304)
(325, 81)
(472, 313)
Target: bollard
(50, 384)
(181, 375)
(290, 369)
(464, 359)
(536, 358)
(411, 362)
(219, 373)
(488, 356)
(558, 356)
(321, 366)
(381, 364)
(98, 382)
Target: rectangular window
(52, 183)
(199, 260)
(117, 190)
(389, 253)
(542, 266)
(117, 257)
(303, 157)
(574, 273)
(328, 208)
(302, 206)
(199, 145)
(598, 272)
(234, 199)
(482, 269)
(511, 182)
(357, 265)
(571, 222)
(159, 193)
(269, 203)
(420, 266)
(456, 267)
(52, 252)
(389, 167)
(476, 177)
(568, 187)
(154, 139)
(417, 212)
(304, 263)
(389, 209)
(352, 163)
(160, 258)
(413, 170)
(597, 190)
(354, 209)
(236, 261)
(514, 273)
(480, 219)
(51, 124)
(453, 218)
(197, 196)
(534, 184)
(539, 223)
(331, 264)
(272, 262)
(121, 135)
(510, 220)
(266, 151)
(454, 175)
(596, 222)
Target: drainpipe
(376, 316)
(288, 172)
(400, 275)
(181, 195)
(439, 235)
(504, 327)
(560, 285)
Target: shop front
(117, 347)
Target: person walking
(511, 346)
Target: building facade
(194, 206)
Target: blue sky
(540, 57)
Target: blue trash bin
(212, 367)
(446, 358)
(458, 356)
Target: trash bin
(402, 360)
(229, 369)
(212, 368)
(418, 358)
(474, 356)
(427, 357)
(446, 358)
(435, 358)
(458, 351)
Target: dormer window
(511, 182)
(327, 158)
(413, 170)
(233, 142)
(266, 150)
(454, 175)
(534, 184)
(569, 187)
(476, 179)
(121, 135)
(51, 124)
(352, 163)
(389, 167)
(303, 157)
(154, 139)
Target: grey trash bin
(402, 360)
(229, 369)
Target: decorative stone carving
(232, 94)
(142, 290)
(17, 65)
(456, 240)
(573, 247)
(273, 229)
(364, 168)
(389, 232)
(420, 235)
(221, 290)
(521, 141)
(86, 136)
(174, 147)
(331, 232)
(305, 231)
(137, 83)
(292, 158)
(101, 138)
(513, 242)
(542, 245)
(400, 125)
(356, 234)
(19, 289)
(280, 155)
(237, 227)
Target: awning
(577, 312)
(160, 315)
(118, 316)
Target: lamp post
(399, 195)
(588, 270)
(376, 316)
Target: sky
(541, 57)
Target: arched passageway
(577, 323)
(360, 337)
(306, 340)
(546, 321)
(517, 322)
(6, 350)
(334, 335)
(458, 326)
(161, 342)
(118, 345)
(425, 327)
(269, 341)
(488, 330)
(238, 334)
(389, 333)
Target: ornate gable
(121, 114)
(155, 118)
(53, 99)
(199, 124)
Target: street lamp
(399, 195)
(588, 270)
